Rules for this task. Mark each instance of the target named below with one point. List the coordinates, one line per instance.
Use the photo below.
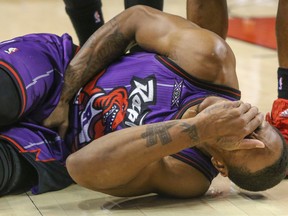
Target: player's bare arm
(111, 164)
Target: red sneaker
(279, 116)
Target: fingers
(235, 103)
(46, 123)
(62, 130)
(244, 107)
(251, 114)
(251, 117)
(250, 144)
(240, 106)
(60, 124)
(190, 113)
(254, 122)
(49, 122)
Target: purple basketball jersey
(140, 89)
(37, 63)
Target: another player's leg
(279, 113)
(157, 4)
(86, 17)
(209, 14)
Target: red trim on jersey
(13, 142)
(188, 77)
(22, 150)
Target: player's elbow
(90, 172)
(74, 169)
(84, 174)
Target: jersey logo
(101, 112)
(142, 94)
(176, 93)
(280, 83)
(11, 50)
(284, 114)
(97, 17)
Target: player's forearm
(115, 159)
(118, 157)
(202, 12)
(282, 33)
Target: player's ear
(220, 166)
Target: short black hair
(262, 179)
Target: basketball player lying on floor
(147, 122)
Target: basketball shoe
(279, 118)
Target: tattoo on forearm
(93, 60)
(158, 130)
(114, 44)
(191, 130)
